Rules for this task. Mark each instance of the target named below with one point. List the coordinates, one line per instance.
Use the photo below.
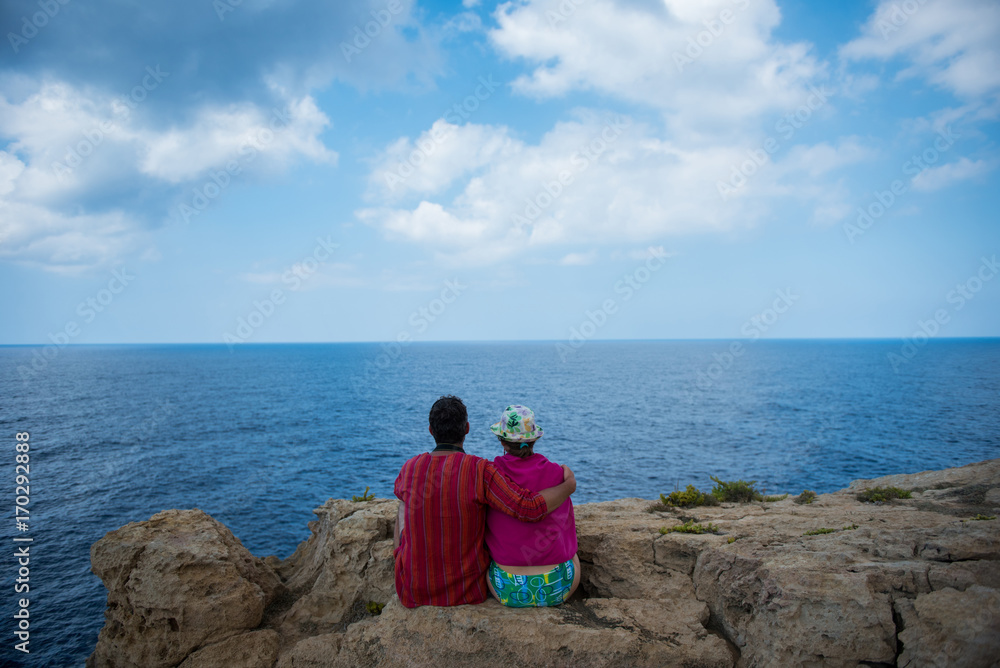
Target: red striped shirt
(442, 557)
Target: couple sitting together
(455, 506)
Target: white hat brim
(520, 438)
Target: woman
(534, 564)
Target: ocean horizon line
(844, 339)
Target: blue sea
(260, 435)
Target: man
(440, 553)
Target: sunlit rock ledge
(916, 583)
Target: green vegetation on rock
(737, 491)
(690, 527)
(807, 496)
(732, 491)
(688, 498)
(375, 608)
(883, 494)
(364, 497)
(980, 518)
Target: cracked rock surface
(914, 582)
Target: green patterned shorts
(530, 591)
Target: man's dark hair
(448, 418)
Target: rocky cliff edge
(912, 582)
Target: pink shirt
(550, 541)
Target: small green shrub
(807, 496)
(688, 498)
(883, 494)
(732, 539)
(690, 527)
(738, 491)
(772, 499)
(710, 500)
(980, 518)
(374, 607)
(364, 497)
(850, 527)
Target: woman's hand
(554, 496)
(569, 478)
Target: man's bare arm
(555, 496)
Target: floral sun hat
(517, 424)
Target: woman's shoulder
(552, 472)
(533, 464)
(542, 460)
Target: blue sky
(266, 171)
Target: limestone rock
(176, 582)
(313, 652)
(256, 649)
(787, 610)
(940, 629)
(346, 563)
(590, 632)
(785, 598)
(914, 582)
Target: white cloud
(36, 235)
(220, 135)
(429, 223)
(463, 22)
(438, 157)
(578, 259)
(823, 158)
(597, 180)
(706, 65)
(936, 178)
(715, 73)
(10, 169)
(61, 243)
(78, 162)
(954, 44)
